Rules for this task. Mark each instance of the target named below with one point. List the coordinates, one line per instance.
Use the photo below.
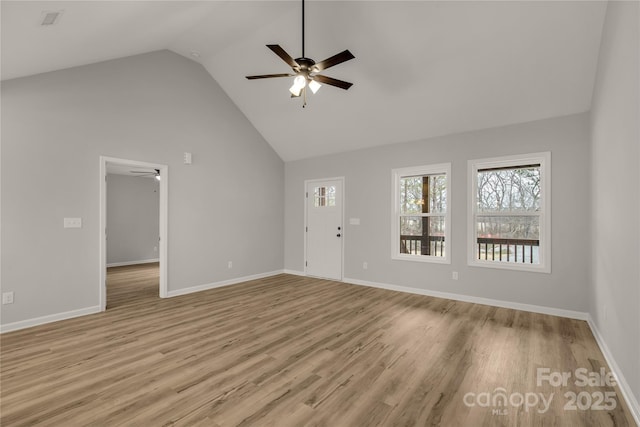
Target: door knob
(338, 234)
(339, 228)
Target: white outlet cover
(354, 221)
(72, 223)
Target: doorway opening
(135, 253)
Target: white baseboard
(222, 283)
(295, 272)
(475, 300)
(142, 261)
(627, 394)
(48, 319)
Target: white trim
(304, 230)
(163, 232)
(294, 272)
(475, 300)
(207, 286)
(544, 159)
(22, 324)
(142, 261)
(396, 174)
(627, 394)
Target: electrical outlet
(454, 275)
(230, 264)
(365, 265)
(7, 297)
(155, 249)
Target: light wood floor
(291, 351)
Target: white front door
(324, 229)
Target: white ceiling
(422, 68)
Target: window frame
(544, 215)
(396, 175)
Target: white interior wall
(615, 190)
(226, 206)
(133, 219)
(368, 197)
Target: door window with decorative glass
(324, 196)
(420, 229)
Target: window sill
(421, 258)
(539, 268)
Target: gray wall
(133, 218)
(615, 184)
(226, 206)
(368, 197)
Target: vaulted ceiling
(422, 68)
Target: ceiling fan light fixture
(314, 86)
(158, 177)
(299, 81)
(298, 84)
(295, 91)
(303, 67)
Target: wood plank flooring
(294, 351)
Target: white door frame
(164, 203)
(304, 230)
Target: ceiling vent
(49, 18)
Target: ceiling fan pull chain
(304, 97)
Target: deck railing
(509, 250)
(419, 245)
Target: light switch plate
(73, 223)
(7, 298)
(354, 221)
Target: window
(324, 196)
(509, 218)
(421, 217)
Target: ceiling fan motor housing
(303, 66)
(306, 64)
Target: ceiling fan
(305, 70)
(155, 174)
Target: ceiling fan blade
(284, 55)
(333, 82)
(339, 58)
(269, 76)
